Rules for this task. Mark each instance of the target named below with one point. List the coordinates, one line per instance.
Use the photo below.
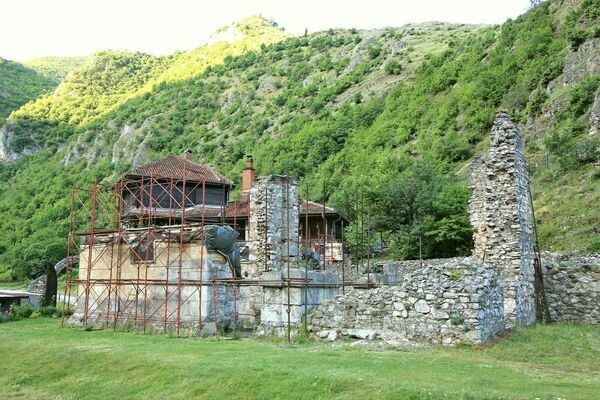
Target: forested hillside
(396, 114)
(18, 85)
(55, 68)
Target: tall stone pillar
(274, 216)
(502, 219)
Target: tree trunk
(49, 298)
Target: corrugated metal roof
(175, 167)
(4, 293)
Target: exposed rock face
(274, 217)
(132, 141)
(572, 284)
(595, 116)
(7, 151)
(579, 65)
(451, 302)
(501, 215)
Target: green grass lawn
(14, 285)
(39, 359)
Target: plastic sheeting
(222, 239)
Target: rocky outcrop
(501, 214)
(8, 151)
(595, 115)
(448, 303)
(579, 65)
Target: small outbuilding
(10, 297)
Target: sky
(35, 28)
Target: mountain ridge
(344, 111)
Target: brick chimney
(187, 154)
(247, 179)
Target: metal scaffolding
(113, 224)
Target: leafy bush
(68, 309)
(374, 51)
(19, 312)
(393, 67)
(48, 311)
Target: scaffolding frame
(111, 222)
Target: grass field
(39, 359)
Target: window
(143, 251)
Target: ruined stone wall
(448, 303)
(274, 210)
(38, 285)
(572, 285)
(274, 216)
(501, 215)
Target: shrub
(20, 312)
(374, 51)
(48, 311)
(393, 67)
(576, 38)
(69, 310)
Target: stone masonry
(38, 285)
(195, 311)
(572, 284)
(274, 209)
(274, 217)
(458, 300)
(275, 301)
(501, 215)
(274, 206)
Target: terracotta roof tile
(175, 167)
(315, 208)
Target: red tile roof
(315, 208)
(176, 167)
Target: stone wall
(321, 286)
(38, 285)
(572, 285)
(449, 302)
(501, 215)
(274, 210)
